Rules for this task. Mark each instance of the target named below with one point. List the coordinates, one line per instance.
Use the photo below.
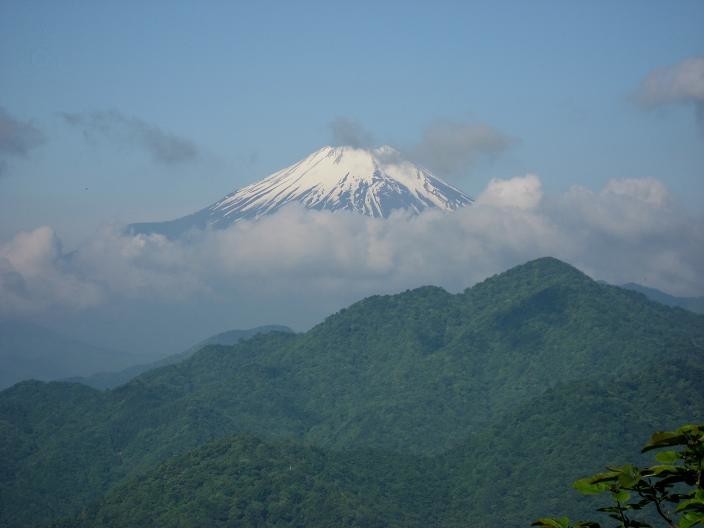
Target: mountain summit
(373, 182)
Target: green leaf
(692, 505)
(622, 496)
(606, 476)
(563, 522)
(690, 428)
(661, 468)
(629, 475)
(665, 439)
(667, 457)
(691, 519)
(587, 486)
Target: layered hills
(109, 380)
(522, 380)
(693, 304)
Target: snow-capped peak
(373, 182)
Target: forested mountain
(492, 383)
(516, 470)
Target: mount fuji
(373, 182)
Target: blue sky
(579, 126)
(255, 85)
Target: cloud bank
(628, 231)
(682, 83)
(163, 147)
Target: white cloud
(648, 190)
(34, 277)
(521, 192)
(631, 209)
(628, 231)
(681, 83)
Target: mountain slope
(522, 465)
(415, 373)
(371, 182)
(109, 380)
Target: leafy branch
(673, 488)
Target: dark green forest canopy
(493, 383)
(515, 470)
(243, 481)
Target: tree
(671, 491)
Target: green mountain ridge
(417, 374)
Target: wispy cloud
(455, 147)
(346, 131)
(17, 138)
(114, 126)
(681, 83)
(448, 148)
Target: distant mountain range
(693, 304)
(30, 351)
(373, 182)
(418, 409)
(109, 380)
